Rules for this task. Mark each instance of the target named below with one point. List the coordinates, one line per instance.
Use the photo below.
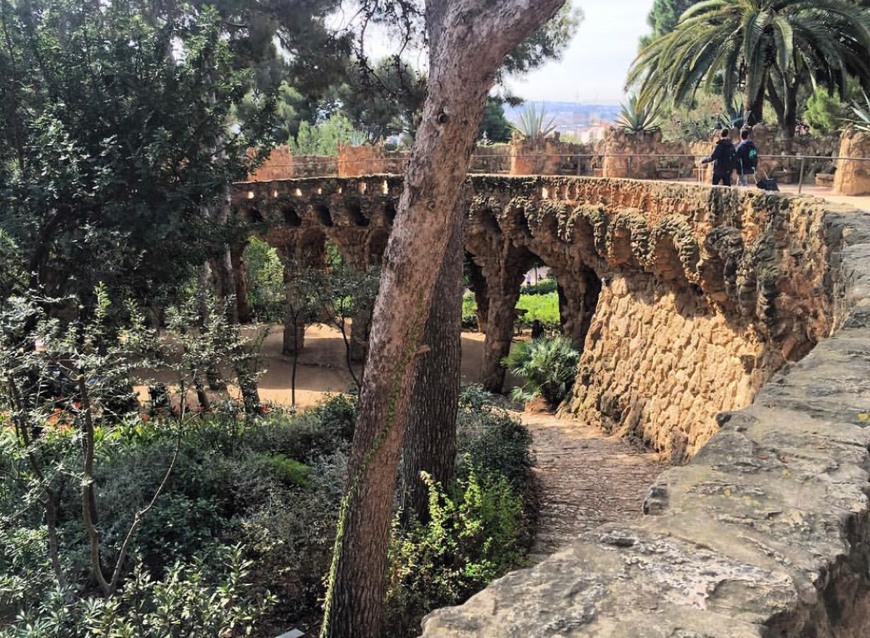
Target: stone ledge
(765, 533)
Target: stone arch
(253, 215)
(355, 213)
(323, 215)
(291, 216)
(311, 248)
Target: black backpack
(747, 157)
(731, 162)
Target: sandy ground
(321, 368)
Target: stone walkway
(586, 479)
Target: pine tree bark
(461, 73)
(430, 441)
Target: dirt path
(586, 479)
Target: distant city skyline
(594, 67)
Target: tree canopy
(116, 134)
(762, 49)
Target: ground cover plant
(178, 518)
(547, 366)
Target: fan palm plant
(758, 49)
(548, 367)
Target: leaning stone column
(503, 291)
(294, 315)
(577, 302)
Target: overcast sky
(593, 69)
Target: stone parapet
(853, 175)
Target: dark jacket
(746, 159)
(721, 157)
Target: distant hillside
(570, 117)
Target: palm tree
(760, 48)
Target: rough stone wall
(643, 156)
(704, 292)
(670, 348)
(852, 177)
(764, 534)
(659, 366)
(492, 159)
(279, 165)
(548, 156)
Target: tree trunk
(430, 443)
(753, 108)
(461, 73)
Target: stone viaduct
(725, 326)
(684, 299)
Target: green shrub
(264, 277)
(493, 444)
(547, 366)
(543, 287)
(541, 303)
(477, 528)
(290, 471)
(472, 538)
(190, 599)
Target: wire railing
(662, 166)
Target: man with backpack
(724, 158)
(747, 158)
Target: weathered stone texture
(764, 534)
(684, 298)
(853, 176)
(687, 300)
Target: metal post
(801, 178)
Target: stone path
(586, 479)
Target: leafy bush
(825, 112)
(471, 539)
(548, 367)
(191, 599)
(543, 287)
(269, 487)
(469, 311)
(492, 444)
(477, 528)
(540, 302)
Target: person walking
(747, 158)
(724, 159)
